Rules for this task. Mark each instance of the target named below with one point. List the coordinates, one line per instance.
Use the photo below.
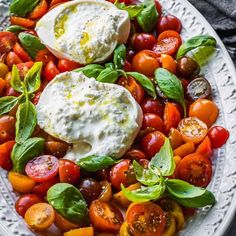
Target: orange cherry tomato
(204, 148)
(195, 169)
(12, 59)
(5, 155)
(53, 2)
(88, 231)
(39, 10)
(51, 71)
(7, 128)
(184, 149)
(134, 87)
(24, 22)
(145, 219)
(66, 65)
(105, 217)
(40, 216)
(168, 63)
(205, 110)
(21, 53)
(192, 129)
(7, 41)
(3, 85)
(146, 62)
(153, 121)
(175, 138)
(45, 56)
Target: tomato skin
(105, 217)
(7, 128)
(51, 71)
(36, 97)
(21, 53)
(158, 7)
(154, 121)
(56, 148)
(143, 41)
(26, 201)
(150, 105)
(11, 92)
(7, 41)
(169, 22)
(45, 56)
(12, 59)
(135, 154)
(39, 10)
(204, 147)
(24, 68)
(218, 136)
(24, 22)
(3, 85)
(66, 65)
(5, 155)
(152, 143)
(168, 63)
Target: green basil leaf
(145, 176)
(110, 65)
(16, 82)
(108, 75)
(22, 153)
(7, 103)
(69, 202)
(144, 194)
(25, 121)
(147, 18)
(22, 7)
(92, 70)
(145, 82)
(133, 10)
(15, 28)
(170, 86)
(189, 195)
(32, 79)
(164, 160)
(196, 42)
(30, 43)
(119, 56)
(94, 163)
(203, 54)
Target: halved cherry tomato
(66, 65)
(24, 22)
(172, 116)
(40, 216)
(12, 59)
(152, 143)
(135, 154)
(88, 231)
(24, 68)
(3, 70)
(5, 155)
(135, 88)
(192, 129)
(145, 219)
(105, 217)
(3, 85)
(146, 62)
(175, 138)
(184, 149)
(204, 147)
(205, 110)
(168, 63)
(154, 121)
(56, 148)
(122, 173)
(26, 201)
(124, 229)
(51, 71)
(142, 41)
(168, 22)
(150, 105)
(218, 136)
(106, 193)
(39, 10)
(7, 41)
(69, 172)
(45, 56)
(170, 226)
(7, 128)
(42, 168)
(21, 53)
(195, 169)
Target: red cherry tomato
(7, 128)
(66, 65)
(204, 147)
(154, 121)
(158, 7)
(26, 201)
(218, 136)
(56, 148)
(24, 68)
(135, 154)
(134, 87)
(169, 22)
(11, 92)
(24, 22)
(128, 66)
(152, 143)
(45, 56)
(3, 86)
(36, 97)
(150, 105)
(39, 10)
(12, 59)
(42, 168)
(7, 41)
(69, 172)
(143, 41)
(5, 155)
(21, 53)
(51, 71)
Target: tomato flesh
(7, 41)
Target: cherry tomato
(39, 10)
(135, 154)
(143, 41)
(5, 155)
(7, 128)
(26, 201)
(66, 65)
(168, 63)
(170, 226)
(122, 173)
(105, 217)
(135, 88)
(24, 68)
(195, 169)
(145, 219)
(11, 92)
(218, 136)
(168, 22)
(51, 71)
(42, 168)
(7, 41)
(205, 110)
(172, 116)
(56, 148)
(175, 138)
(35, 100)
(145, 62)
(150, 105)
(154, 121)
(69, 172)
(45, 56)
(3, 70)
(128, 66)
(158, 7)
(152, 143)
(204, 148)
(21, 53)
(3, 85)
(24, 22)
(53, 2)
(12, 59)
(40, 216)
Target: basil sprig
(92, 70)
(133, 10)
(170, 86)
(22, 7)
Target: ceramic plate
(222, 75)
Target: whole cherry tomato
(24, 22)
(218, 136)
(5, 155)
(12, 59)
(150, 105)
(154, 121)
(7, 41)
(7, 128)
(56, 148)
(143, 41)
(39, 10)
(21, 53)
(51, 71)
(135, 154)
(66, 65)
(45, 56)
(169, 22)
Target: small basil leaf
(69, 202)
(22, 7)
(110, 65)
(25, 121)
(30, 43)
(108, 75)
(164, 160)
(92, 70)
(147, 18)
(15, 28)
(144, 194)
(203, 54)
(32, 79)
(94, 163)
(16, 83)
(7, 103)
(145, 176)
(196, 42)
(171, 86)
(133, 10)
(119, 56)
(22, 153)
(145, 82)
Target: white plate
(222, 76)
